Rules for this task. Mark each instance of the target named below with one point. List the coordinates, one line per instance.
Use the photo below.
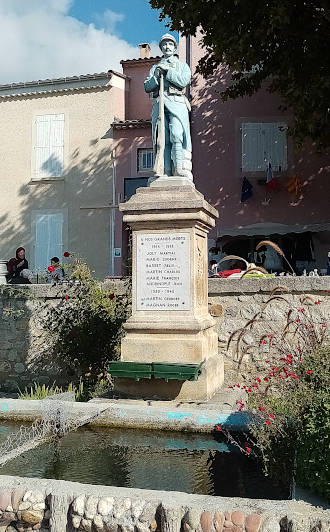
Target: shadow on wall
(85, 193)
(217, 160)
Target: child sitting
(56, 275)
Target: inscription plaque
(163, 271)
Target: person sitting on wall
(56, 272)
(15, 267)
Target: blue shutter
(48, 238)
(49, 150)
(263, 142)
(253, 147)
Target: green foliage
(101, 388)
(282, 41)
(42, 391)
(301, 423)
(287, 382)
(85, 328)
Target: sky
(42, 39)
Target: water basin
(192, 463)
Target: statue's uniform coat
(176, 104)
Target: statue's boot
(177, 156)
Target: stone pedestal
(170, 320)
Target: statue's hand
(163, 67)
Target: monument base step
(207, 384)
(157, 370)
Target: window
(132, 183)
(49, 148)
(48, 236)
(263, 143)
(145, 160)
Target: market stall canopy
(274, 228)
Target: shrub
(42, 391)
(85, 327)
(287, 388)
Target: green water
(191, 463)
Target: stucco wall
(216, 138)
(85, 190)
(232, 302)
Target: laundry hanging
(246, 190)
(270, 179)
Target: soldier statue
(167, 81)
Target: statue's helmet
(168, 37)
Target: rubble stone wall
(231, 301)
(28, 504)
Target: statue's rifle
(159, 162)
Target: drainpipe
(188, 61)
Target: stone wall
(28, 504)
(24, 354)
(233, 302)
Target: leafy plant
(261, 41)
(288, 389)
(102, 387)
(38, 391)
(85, 327)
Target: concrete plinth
(170, 320)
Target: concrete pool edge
(162, 417)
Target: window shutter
(48, 238)
(49, 145)
(278, 146)
(252, 147)
(263, 142)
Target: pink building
(232, 140)
(133, 145)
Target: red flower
(268, 422)
(271, 416)
(309, 372)
(66, 297)
(111, 296)
(66, 254)
(297, 321)
(317, 302)
(257, 379)
(323, 325)
(240, 405)
(263, 341)
(262, 409)
(301, 310)
(51, 268)
(249, 390)
(266, 379)
(247, 448)
(267, 361)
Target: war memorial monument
(170, 350)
